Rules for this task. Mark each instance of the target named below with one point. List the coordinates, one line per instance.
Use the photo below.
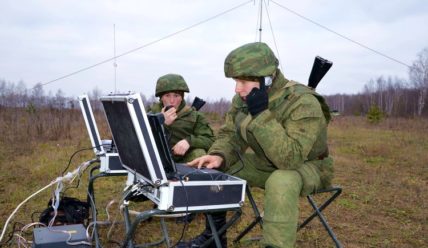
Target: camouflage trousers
(282, 191)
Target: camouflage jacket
(291, 131)
(190, 125)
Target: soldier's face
(243, 87)
(171, 98)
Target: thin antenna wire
(114, 54)
(145, 45)
(261, 20)
(273, 36)
(341, 35)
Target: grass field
(382, 168)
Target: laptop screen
(133, 138)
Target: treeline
(16, 95)
(29, 116)
(394, 97)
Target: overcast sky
(44, 40)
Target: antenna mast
(260, 27)
(114, 53)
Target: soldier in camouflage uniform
(190, 134)
(280, 126)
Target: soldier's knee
(284, 180)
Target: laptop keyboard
(188, 173)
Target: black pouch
(70, 211)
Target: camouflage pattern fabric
(246, 61)
(170, 82)
(286, 143)
(190, 125)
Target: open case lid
(156, 121)
(91, 126)
(133, 137)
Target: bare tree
(38, 95)
(418, 74)
(94, 96)
(380, 88)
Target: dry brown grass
(382, 168)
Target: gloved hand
(257, 101)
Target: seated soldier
(285, 125)
(190, 135)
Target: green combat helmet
(170, 82)
(251, 60)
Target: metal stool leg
(165, 233)
(337, 191)
(217, 233)
(324, 222)
(142, 216)
(318, 212)
(257, 220)
(214, 231)
(127, 224)
(130, 228)
(91, 199)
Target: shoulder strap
(300, 89)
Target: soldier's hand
(181, 147)
(257, 101)
(207, 161)
(170, 115)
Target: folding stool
(335, 192)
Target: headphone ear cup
(268, 81)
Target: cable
(32, 215)
(21, 240)
(22, 203)
(187, 212)
(69, 176)
(145, 45)
(78, 180)
(112, 223)
(341, 35)
(55, 202)
(94, 218)
(69, 161)
(273, 35)
(241, 160)
(12, 233)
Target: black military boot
(219, 219)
